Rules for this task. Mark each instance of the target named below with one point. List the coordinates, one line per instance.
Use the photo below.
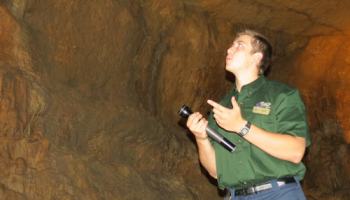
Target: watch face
(245, 130)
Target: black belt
(263, 186)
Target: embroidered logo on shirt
(262, 108)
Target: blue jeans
(290, 191)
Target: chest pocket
(262, 121)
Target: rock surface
(89, 92)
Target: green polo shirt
(249, 165)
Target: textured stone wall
(79, 105)
(322, 76)
(321, 73)
(89, 94)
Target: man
(265, 119)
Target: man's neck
(245, 79)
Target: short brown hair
(259, 44)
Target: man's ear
(257, 57)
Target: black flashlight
(185, 112)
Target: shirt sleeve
(291, 115)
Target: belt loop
(274, 184)
(297, 181)
(233, 194)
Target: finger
(190, 119)
(217, 117)
(193, 119)
(198, 126)
(234, 102)
(216, 105)
(218, 113)
(204, 125)
(197, 118)
(202, 121)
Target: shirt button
(250, 92)
(241, 103)
(240, 162)
(239, 140)
(245, 183)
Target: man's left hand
(228, 119)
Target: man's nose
(230, 50)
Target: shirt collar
(252, 87)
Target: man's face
(239, 55)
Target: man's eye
(240, 45)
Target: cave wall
(321, 74)
(90, 92)
(73, 126)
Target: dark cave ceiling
(301, 17)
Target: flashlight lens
(185, 111)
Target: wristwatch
(245, 130)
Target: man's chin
(228, 67)
(231, 69)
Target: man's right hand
(197, 124)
